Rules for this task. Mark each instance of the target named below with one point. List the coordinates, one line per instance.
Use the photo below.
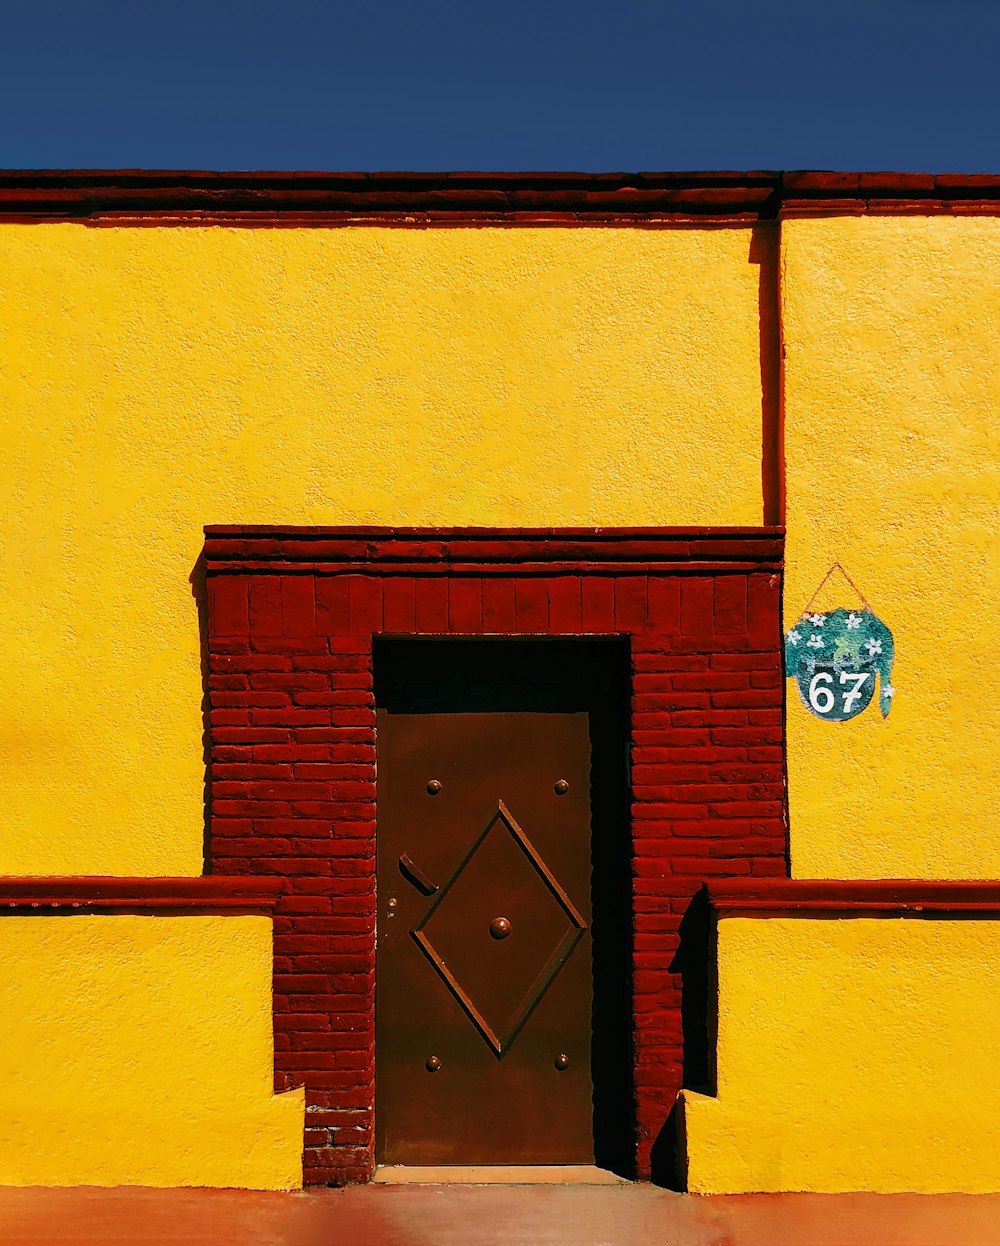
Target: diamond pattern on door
(500, 930)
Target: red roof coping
(310, 197)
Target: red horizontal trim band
(243, 895)
(444, 567)
(791, 897)
(482, 551)
(473, 532)
(125, 196)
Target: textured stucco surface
(891, 391)
(156, 380)
(138, 1050)
(853, 1054)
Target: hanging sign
(836, 657)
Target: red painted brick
(265, 605)
(498, 605)
(531, 605)
(697, 608)
(746, 735)
(322, 1041)
(295, 752)
(399, 603)
(663, 604)
(257, 699)
(238, 827)
(766, 754)
(465, 605)
(344, 697)
(245, 771)
(291, 866)
(763, 611)
(300, 983)
(302, 828)
(250, 808)
(305, 904)
(338, 736)
(320, 771)
(769, 868)
(334, 1119)
(291, 716)
(228, 683)
(336, 663)
(682, 769)
(229, 605)
(332, 610)
(352, 716)
(630, 603)
(756, 698)
(289, 681)
(712, 681)
(219, 644)
(346, 681)
(664, 702)
(598, 604)
(298, 605)
(257, 846)
(681, 737)
(730, 609)
(565, 604)
(365, 600)
(297, 646)
(649, 776)
(705, 867)
(300, 1021)
(746, 661)
(661, 659)
(225, 663)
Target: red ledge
(330, 198)
(792, 897)
(141, 895)
(480, 550)
(138, 196)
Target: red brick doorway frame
(292, 613)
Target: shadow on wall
(199, 591)
(764, 253)
(693, 961)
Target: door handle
(414, 874)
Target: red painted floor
(492, 1216)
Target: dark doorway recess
(584, 684)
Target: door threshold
(496, 1174)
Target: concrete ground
(439, 1215)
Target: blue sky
(523, 85)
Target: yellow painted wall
(138, 1050)
(155, 380)
(892, 394)
(853, 1054)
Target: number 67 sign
(835, 658)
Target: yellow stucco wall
(138, 1050)
(853, 1054)
(155, 380)
(891, 395)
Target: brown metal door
(484, 987)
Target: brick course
(293, 769)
